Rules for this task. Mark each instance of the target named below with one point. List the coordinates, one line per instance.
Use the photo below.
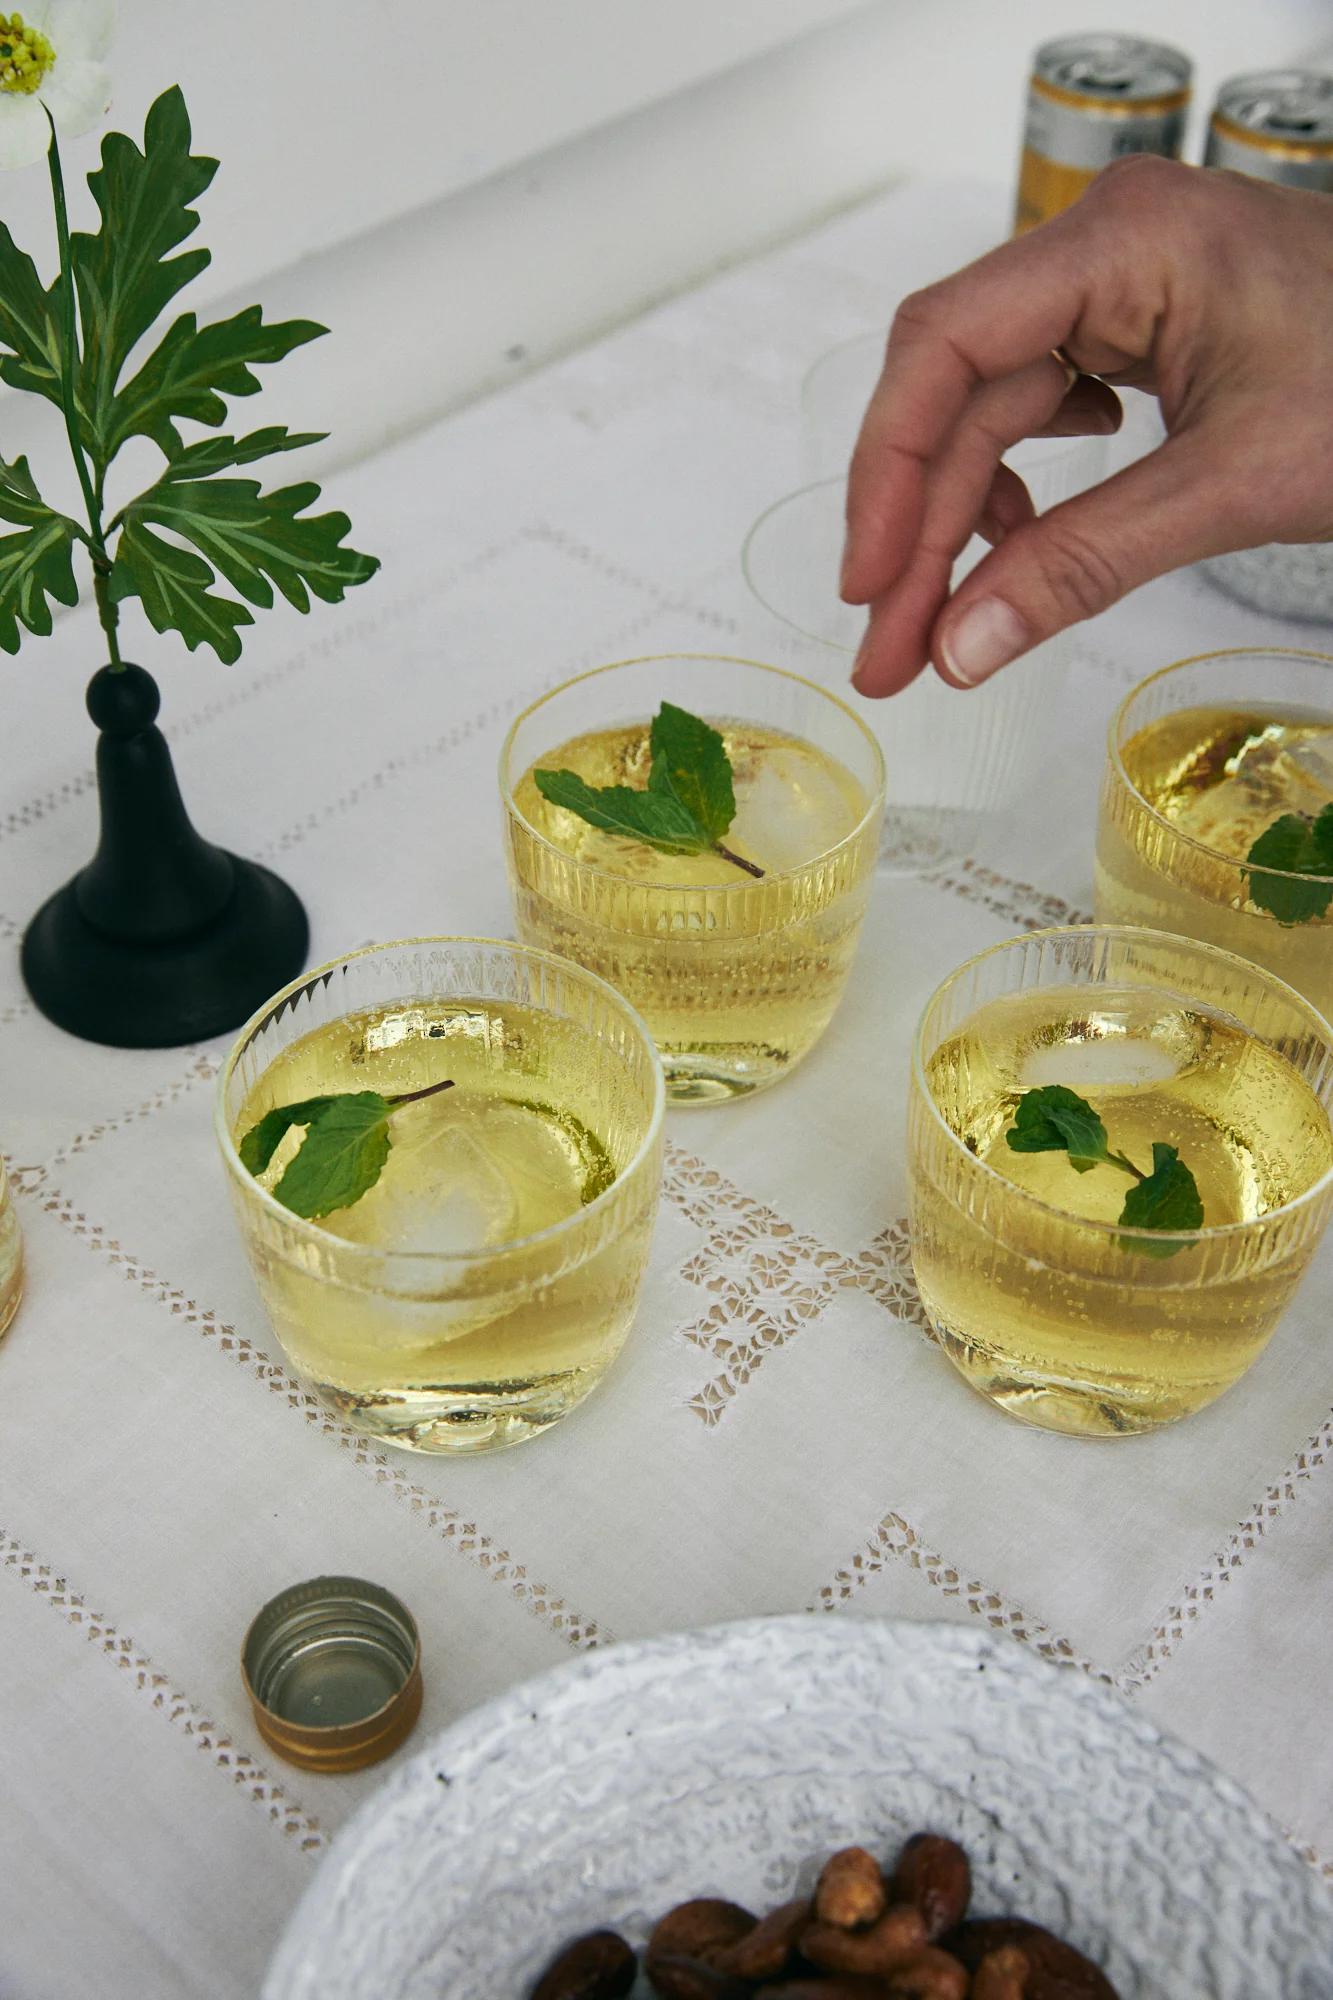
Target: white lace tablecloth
(779, 1434)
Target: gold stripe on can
(1277, 126)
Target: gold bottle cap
(333, 1670)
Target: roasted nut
(934, 1873)
(702, 1930)
(1001, 1975)
(898, 1935)
(928, 1975)
(1055, 1970)
(677, 1977)
(768, 1950)
(600, 1966)
(850, 1890)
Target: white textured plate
(731, 1762)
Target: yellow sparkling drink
(737, 975)
(1204, 757)
(11, 1255)
(1040, 1297)
(486, 1282)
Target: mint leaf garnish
(342, 1155)
(690, 763)
(690, 801)
(1167, 1198)
(261, 1142)
(1294, 845)
(655, 818)
(1055, 1119)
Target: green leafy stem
(72, 343)
(1055, 1119)
(690, 800)
(1284, 858)
(342, 1155)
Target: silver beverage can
(1093, 99)
(1275, 125)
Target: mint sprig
(1055, 1119)
(690, 801)
(1294, 845)
(346, 1144)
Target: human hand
(1211, 291)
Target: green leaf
(36, 564)
(124, 274)
(690, 764)
(216, 454)
(1166, 1199)
(29, 323)
(657, 819)
(261, 1142)
(192, 370)
(1055, 1119)
(250, 537)
(341, 1157)
(1294, 846)
(1321, 840)
(173, 586)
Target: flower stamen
(25, 56)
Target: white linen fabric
(779, 1434)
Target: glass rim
(364, 1251)
(1159, 819)
(1137, 934)
(752, 533)
(869, 818)
(1069, 441)
(844, 346)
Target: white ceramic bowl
(731, 1762)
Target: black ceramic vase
(163, 938)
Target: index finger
(993, 317)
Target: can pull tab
(1293, 115)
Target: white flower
(51, 60)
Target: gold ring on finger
(1071, 370)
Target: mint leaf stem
(739, 861)
(414, 1096)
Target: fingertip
(978, 638)
(880, 669)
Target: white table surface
(778, 1434)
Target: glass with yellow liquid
(1044, 1301)
(1204, 756)
(11, 1255)
(736, 963)
(486, 1282)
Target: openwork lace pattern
(273, 1799)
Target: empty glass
(955, 759)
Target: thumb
(1170, 508)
